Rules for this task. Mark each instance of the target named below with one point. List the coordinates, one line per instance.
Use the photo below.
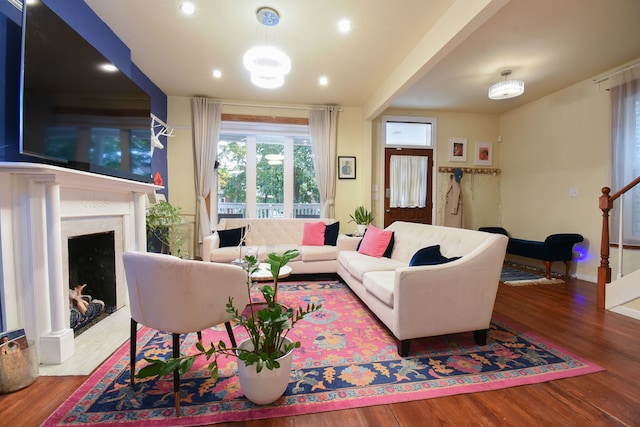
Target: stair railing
(605, 204)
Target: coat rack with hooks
(486, 171)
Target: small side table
(263, 274)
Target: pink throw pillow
(313, 234)
(375, 242)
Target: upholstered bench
(556, 247)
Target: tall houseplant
(362, 217)
(267, 328)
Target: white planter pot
(360, 229)
(268, 385)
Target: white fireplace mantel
(40, 207)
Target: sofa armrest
(495, 230)
(208, 244)
(453, 297)
(559, 247)
(347, 243)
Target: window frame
(431, 136)
(253, 127)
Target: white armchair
(179, 296)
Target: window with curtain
(266, 171)
(625, 120)
(405, 172)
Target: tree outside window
(284, 176)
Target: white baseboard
(626, 311)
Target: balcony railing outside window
(268, 210)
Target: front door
(408, 179)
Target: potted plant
(267, 346)
(162, 220)
(362, 217)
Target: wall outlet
(573, 192)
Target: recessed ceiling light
(109, 68)
(344, 26)
(188, 8)
(217, 74)
(323, 81)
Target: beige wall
(552, 145)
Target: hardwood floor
(563, 314)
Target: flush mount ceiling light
(108, 67)
(507, 88)
(188, 8)
(267, 64)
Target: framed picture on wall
(457, 149)
(346, 167)
(484, 153)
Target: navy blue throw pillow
(430, 256)
(331, 234)
(231, 237)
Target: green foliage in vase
(361, 216)
(162, 220)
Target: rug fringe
(542, 281)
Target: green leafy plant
(267, 328)
(276, 262)
(162, 220)
(361, 216)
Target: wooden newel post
(604, 271)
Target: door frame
(379, 182)
(432, 178)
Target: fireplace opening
(92, 279)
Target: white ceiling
(429, 54)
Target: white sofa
(429, 300)
(277, 235)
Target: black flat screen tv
(73, 113)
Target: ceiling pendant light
(267, 64)
(507, 88)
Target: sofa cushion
(430, 256)
(381, 285)
(230, 237)
(318, 253)
(331, 233)
(376, 242)
(357, 264)
(264, 251)
(313, 234)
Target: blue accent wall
(80, 17)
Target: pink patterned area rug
(347, 360)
